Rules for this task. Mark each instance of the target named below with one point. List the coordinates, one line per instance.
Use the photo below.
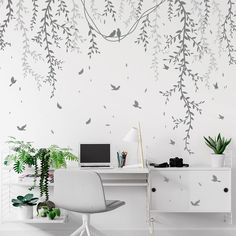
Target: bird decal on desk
(21, 128)
(114, 88)
(215, 179)
(13, 81)
(136, 104)
(195, 203)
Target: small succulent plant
(217, 144)
(51, 213)
(27, 200)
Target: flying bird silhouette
(81, 71)
(221, 117)
(172, 142)
(88, 121)
(215, 179)
(115, 88)
(21, 128)
(216, 85)
(59, 106)
(13, 81)
(118, 34)
(112, 34)
(195, 203)
(166, 179)
(136, 104)
(166, 67)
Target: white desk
(126, 177)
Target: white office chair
(81, 191)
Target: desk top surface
(117, 170)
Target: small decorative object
(51, 213)
(218, 145)
(25, 205)
(135, 135)
(121, 159)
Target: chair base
(86, 227)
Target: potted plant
(43, 160)
(218, 145)
(51, 213)
(25, 205)
(22, 156)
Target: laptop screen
(94, 153)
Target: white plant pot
(25, 212)
(217, 160)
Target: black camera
(176, 162)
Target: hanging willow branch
(180, 58)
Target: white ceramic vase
(217, 160)
(25, 212)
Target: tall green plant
(217, 144)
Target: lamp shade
(132, 135)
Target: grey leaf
(59, 106)
(81, 71)
(88, 121)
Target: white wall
(83, 90)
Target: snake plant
(217, 144)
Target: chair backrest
(78, 190)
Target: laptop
(95, 155)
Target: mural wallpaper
(177, 34)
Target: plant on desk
(218, 145)
(25, 205)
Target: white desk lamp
(134, 135)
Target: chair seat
(113, 204)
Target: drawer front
(191, 191)
(169, 191)
(210, 191)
